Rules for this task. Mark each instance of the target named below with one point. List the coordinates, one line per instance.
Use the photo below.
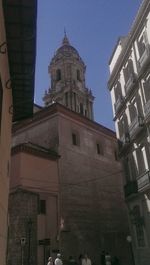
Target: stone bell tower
(67, 72)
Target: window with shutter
(133, 171)
(147, 151)
(120, 128)
(128, 70)
(117, 90)
(141, 162)
(130, 67)
(125, 123)
(141, 45)
(146, 86)
(139, 104)
(133, 111)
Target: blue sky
(93, 28)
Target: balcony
(130, 83)
(118, 104)
(147, 109)
(143, 60)
(130, 188)
(143, 181)
(136, 126)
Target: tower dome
(67, 72)
(66, 51)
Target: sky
(93, 28)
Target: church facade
(91, 214)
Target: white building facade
(129, 86)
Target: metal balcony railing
(143, 181)
(136, 125)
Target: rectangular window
(118, 91)
(42, 207)
(74, 139)
(145, 158)
(146, 86)
(116, 156)
(133, 110)
(141, 45)
(142, 160)
(99, 148)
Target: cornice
(21, 189)
(35, 150)
(58, 109)
(135, 28)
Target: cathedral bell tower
(67, 72)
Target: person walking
(107, 259)
(58, 260)
(71, 261)
(103, 262)
(80, 259)
(50, 261)
(115, 261)
(86, 260)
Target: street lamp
(129, 240)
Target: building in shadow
(92, 214)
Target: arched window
(58, 75)
(78, 75)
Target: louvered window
(128, 70)
(118, 92)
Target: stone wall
(22, 237)
(92, 209)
